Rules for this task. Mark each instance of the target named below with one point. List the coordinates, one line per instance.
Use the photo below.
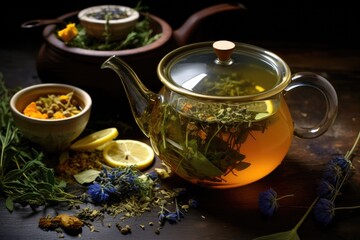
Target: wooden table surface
(234, 213)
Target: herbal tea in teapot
(221, 120)
(222, 144)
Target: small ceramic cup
(52, 135)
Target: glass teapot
(221, 120)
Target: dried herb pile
(141, 35)
(119, 192)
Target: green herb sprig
(142, 35)
(24, 178)
(34, 184)
(207, 144)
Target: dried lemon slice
(95, 140)
(121, 153)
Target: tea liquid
(218, 154)
(223, 144)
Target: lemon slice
(122, 153)
(95, 140)
(263, 108)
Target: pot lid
(224, 70)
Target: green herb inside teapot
(219, 121)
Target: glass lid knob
(223, 50)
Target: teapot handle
(182, 34)
(308, 79)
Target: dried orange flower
(32, 111)
(202, 134)
(69, 33)
(187, 107)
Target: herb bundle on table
(24, 178)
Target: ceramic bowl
(52, 135)
(121, 22)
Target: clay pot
(59, 63)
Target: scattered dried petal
(267, 202)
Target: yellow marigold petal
(32, 111)
(69, 33)
(58, 115)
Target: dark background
(318, 25)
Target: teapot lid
(224, 70)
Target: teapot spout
(140, 98)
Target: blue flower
(333, 174)
(179, 214)
(171, 217)
(342, 162)
(161, 218)
(166, 215)
(98, 193)
(326, 190)
(324, 211)
(152, 175)
(267, 202)
(193, 203)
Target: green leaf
(33, 196)
(44, 186)
(87, 176)
(288, 235)
(202, 165)
(50, 177)
(15, 184)
(13, 175)
(9, 204)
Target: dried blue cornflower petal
(100, 193)
(342, 162)
(157, 186)
(326, 190)
(171, 217)
(152, 175)
(267, 202)
(324, 211)
(117, 184)
(333, 174)
(193, 203)
(179, 214)
(161, 217)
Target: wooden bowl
(57, 62)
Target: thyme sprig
(34, 184)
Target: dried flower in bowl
(53, 106)
(108, 21)
(69, 33)
(52, 134)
